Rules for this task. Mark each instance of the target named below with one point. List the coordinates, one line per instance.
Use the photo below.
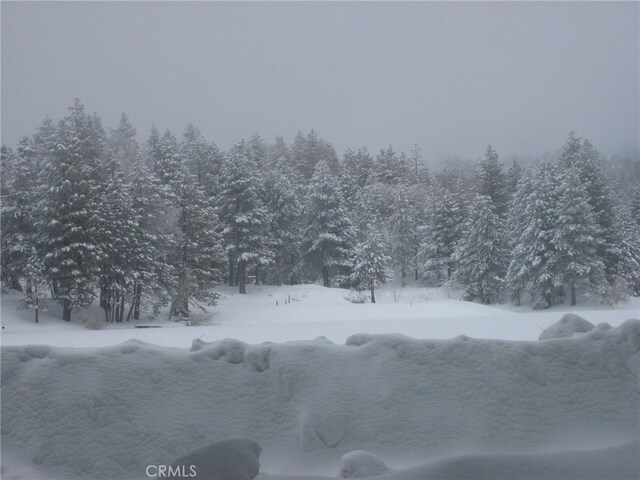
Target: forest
(89, 214)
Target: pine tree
(244, 218)
(122, 146)
(492, 182)
(514, 174)
(153, 277)
(327, 244)
(390, 168)
(371, 262)
(403, 234)
(481, 253)
(517, 222)
(20, 212)
(444, 226)
(34, 296)
(575, 237)
(534, 260)
(197, 251)
(285, 213)
(70, 226)
(582, 156)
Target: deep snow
(313, 311)
(429, 406)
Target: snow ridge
(109, 412)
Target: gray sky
(452, 77)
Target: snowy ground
(314, 311)
(500, 404)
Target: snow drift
(110, 412)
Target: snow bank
(566, 327)
(361, 464)
(112, 411)
(233, 459)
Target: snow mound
(620, 462)
(110, 412)
(361, 464)
(233, 459)
(566, 327)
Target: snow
(361, 464)
(569, 325)
(424, 407)
(233, 459)
(314, 311)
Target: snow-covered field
(314, 311)
(500, 404)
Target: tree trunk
(242, 280)
(136, 308)
(573, 294)
(373, 294)
(325, 276)
(121, 308)
(231, 273)
(66, 310)
(36, 315)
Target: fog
(451, 77)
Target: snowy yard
(314, 311)
(500, 404)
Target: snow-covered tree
(371, 262)
(20, 209)
(197, 249)
(328, 238)
(403, 235)
(492, 181)
(534, 260)
(35, 293)
(444, 226)
(391, 168)
(481, 254)
(70, 225)
(575, 237)
(285, 213)
(244, 218)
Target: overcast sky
(451, 77)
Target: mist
(451, 77)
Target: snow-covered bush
(356, 296)
(93, 323)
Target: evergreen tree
(404, 235)
(197, 249)
(575, 237)
(327, 244)
(390, 168)
(122, 146)
(35, 295)
(285, 213)
(152, 276)
(444, 226)
(481, 253)
(20, 212)
(371, 261)
(70, 225)
(534, 259)
(517, 222)
(492, 182)
(244, 218)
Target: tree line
(88, 213)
